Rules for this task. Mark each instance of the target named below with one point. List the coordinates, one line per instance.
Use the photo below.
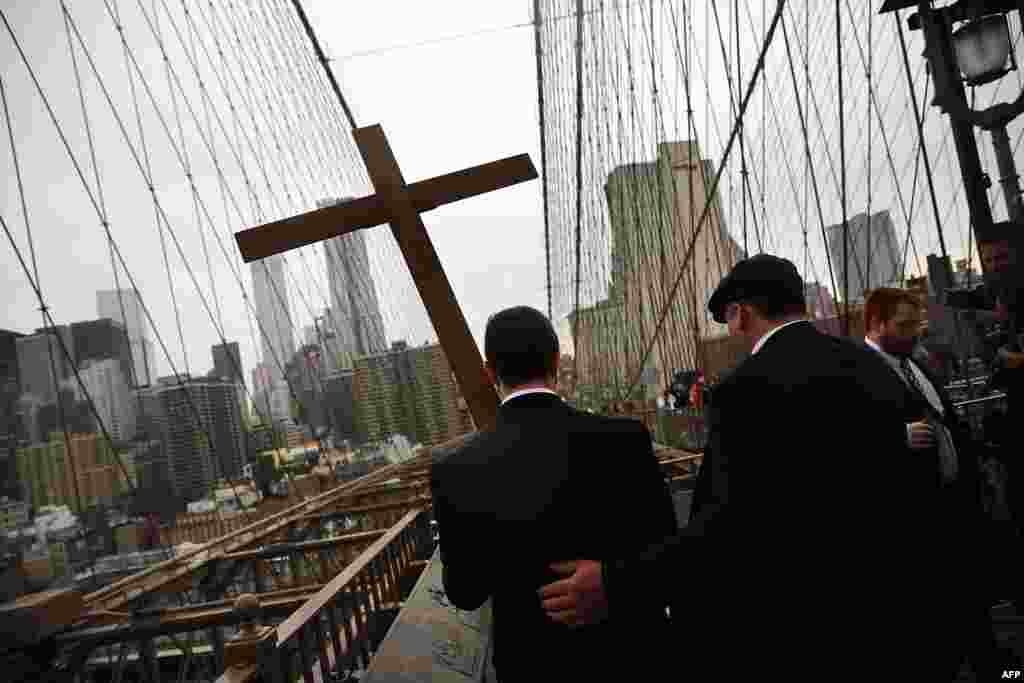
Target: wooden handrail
(290, 626)
(239, 674)
(682, 458)
(302, 546)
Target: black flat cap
(762, 275)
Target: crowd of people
(797, 560)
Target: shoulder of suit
(580, 421)
(460, 451)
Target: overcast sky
(444, 107)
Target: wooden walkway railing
(337, 629)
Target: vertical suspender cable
(842, 167)
(539, 50)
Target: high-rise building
(109, 389)
(355, 308)
(276, 333)
(271, 396)
(654, 211)
(35, 369)
(148, 417)
(11, 427)
(272, 311)
(227, 362)
(873, 254)
(409, 391)
(200, 448)
(305, 379)
(340, 401)
(69, 412)
(103, 339)
(123, 306)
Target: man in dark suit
(548, 483)
(941, 449)
(799, 556)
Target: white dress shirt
(524, 392)
(947, 451)
(769, 333)
(926, 384)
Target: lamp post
(968, 42)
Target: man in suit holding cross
(547, 483)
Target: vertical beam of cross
(431, 282)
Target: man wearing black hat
(797, 559)
(546, 484)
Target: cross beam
(400, 205)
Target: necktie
(944, 440)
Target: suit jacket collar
(785, 331)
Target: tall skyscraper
(11, 429)
(355, 309)
(272, 311)
(873, 252)
(276, 330)
(200, 449)
(36, 373)
(103, 339)
(107, 385)
(125, 308)
(227, 362)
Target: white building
(873, 253)
(276, 335)
(356, 319)
(106, 384)
(124, 307)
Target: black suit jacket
(916, 407)
(549, 483)
(800, 553)
(959, 522)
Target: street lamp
(983, 48)
(968, 42)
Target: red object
(151, 532)
(697, 395)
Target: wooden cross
(400, 205)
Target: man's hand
(920, 435)
(1013, 360)
(578, 600)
